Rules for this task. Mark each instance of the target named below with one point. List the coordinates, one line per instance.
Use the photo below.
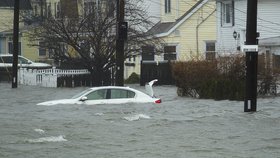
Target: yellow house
(6, 32)
(188, 29)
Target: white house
(231, 25)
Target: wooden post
(15, 44)
(121, 37)
(250, 104)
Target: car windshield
(22, 60)
(81, 94)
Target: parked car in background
(109, 95)
(6, 61)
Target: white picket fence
(45, 77)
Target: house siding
(6, 26)
(187, 42)
(269, 18)
(268, 24)
(6, 19)
(178, 8)
(29, 51)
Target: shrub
(133, 78)
(223, 78)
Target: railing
(45, 77)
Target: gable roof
(164, 29)
(23, 4)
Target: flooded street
(178, 127)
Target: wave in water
(137, 117)
(98, 114)
(48, 139)
(40, 131)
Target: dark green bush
(133, 78)
(219, 79)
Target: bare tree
(92, 35)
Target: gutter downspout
(197, 27)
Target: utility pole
(251, 48)
(121, 37)
(15, 44)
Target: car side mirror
(29, 62)
(84, 98)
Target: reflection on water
(179, 127)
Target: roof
(163, 29)
(23, 4)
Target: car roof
(111, 87)
(8, 55)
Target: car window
(6, 59)
(1, 60)
(9, 59)
(96, 95)
(22, 60)
(81, 94)
(121, 93)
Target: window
(132, 58)
(9, 59)
(85, 45)
(89, 8)
(42, 49)
(11, 48)
(210, 50)
(57, 10)
(167, 6)
(170, 53)
(69, 8)
(121, 93)
(35, 10)
(6, 59)
(97, 95)
(227, 13)
(110, 8)
(49, 10)
(276, 61)
(148, 53)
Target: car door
(120, 96)
(96, 97)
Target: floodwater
(177, 128)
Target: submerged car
(109, 95)
(6, 61)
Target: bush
(133, 78)
(220, 79)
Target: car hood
(60, 101)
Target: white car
(109, 95)
(6, 61)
